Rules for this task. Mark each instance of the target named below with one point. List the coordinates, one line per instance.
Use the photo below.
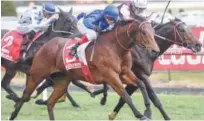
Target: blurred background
(169, 67)
(175, 74)
(187, 10)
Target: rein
(175, 33)
(59, 31)
(128, 34)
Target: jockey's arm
(45, 23)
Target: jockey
(36, 19)
(135, 7)
(95, 22)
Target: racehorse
(173, 32)
(49, 60)
(66, 24)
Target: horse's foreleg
(154, 98)
(5, 84)
(60, 87)
(115, 82)
(73, 102)
(130, 90)
(143, 90)
(41, 88)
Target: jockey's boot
(73, 51)
(28, 37)
(22, 58)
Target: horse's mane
(159, 26)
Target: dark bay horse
(49, 60)
(173, 32)
(66, 23)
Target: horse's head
(181, 35)
(66, 23)
(143, 33)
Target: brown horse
(114, 46)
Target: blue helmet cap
(112, 11)
(49, 8)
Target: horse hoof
(148, 114)
(92, 95)
(41, 102)
(103, 101)
(112, 116)
(13, 97)
(144, 118)
(167, 119)
(78, 108)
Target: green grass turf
(179, 107)
(175, 76)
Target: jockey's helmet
(140, 4)
(49, 8)
(111, 12)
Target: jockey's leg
(28, 37)
(89, 35)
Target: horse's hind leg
(41, 88)
(73, 102)
(5, 84)
(30, 87)
(82, 86)
(60, 87)
(37, 73)
(105, 94)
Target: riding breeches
(90, 33)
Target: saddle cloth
(11, 45)
(71, 62)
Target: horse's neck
(163, 44)
(116, 44)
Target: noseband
(128, 34)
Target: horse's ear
(71, 11)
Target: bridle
(176, 32)
(128, 34)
